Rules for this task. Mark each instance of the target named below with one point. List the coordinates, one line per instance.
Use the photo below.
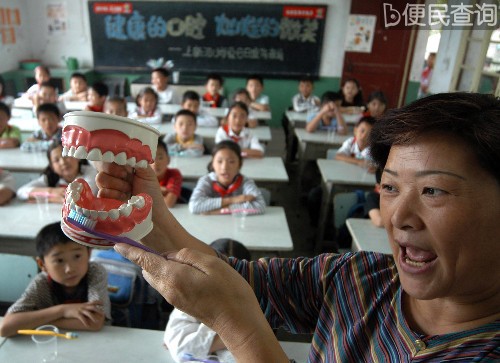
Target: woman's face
(441, 211)
(350, 90)
(65, 167)
(237, 119)
(226, 165)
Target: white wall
(76, 41)
(10, 54)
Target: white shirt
(350, 147)
(168, 95)
(246, 139)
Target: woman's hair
(146, 91)
(50, 174)
(225, 144)
(358, 98)
(238, 104)
(377, 95)
(473, 117)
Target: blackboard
(203, 37)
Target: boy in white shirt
(159, 81)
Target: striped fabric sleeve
(202, 200)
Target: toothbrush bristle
(80, 219)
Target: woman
(437, 299)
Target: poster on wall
(360, 31)
(10, 22)
(56, 18)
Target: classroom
(307, 182)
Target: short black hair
(100, 88)
(331, 96)
(164, 72)
(162, 145)
(238, 104)
(368, 119)
(307, 79)
(257, 78)
(2, 87)
(48, 107)
(216, 77)
(5, 109)
(190, 95)
(49, 236)
(184, 112)
(49, 84)
(79, 75)
(146, 91)
(225, 144)
(377, 95)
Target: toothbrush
(68, 335)
(87, 225)
(188, 357)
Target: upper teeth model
(99, 137)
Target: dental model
(99, 137)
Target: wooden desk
(17, 160)
(21, 221)
(264, 232)
(112, 344)
(267, 169)
(343, 176)
(367, 237)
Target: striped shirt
(352, 304)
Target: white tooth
(114, 214)
(72, 204)
(93, 214)
(108, 157)
(95, 155)
(102, 215)
(81, 152)
(140, 202)
(78, 209)
(86, 212)
(141, 164)
(65, 151)
(121, 158)
(74, 195)
(125, 210)
(131, 161)
(75, 186)
(71, 151)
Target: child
(47, 93)
(184, 142)
(170, 179)
(48, 119)
(425, 77)
(96, 97)
(305, 100)
(242, 95)
(255, 86)
(376, 105)
(78, 88)
(7, 186)
(355, 150)
(224, 189)
(191, 102)
(70, 292)
(185, 334)
(372, 204)
(213, 87)
(10, 136)
(166, 94)
(116, 106)
(235, 130)
(8, 100)
(42, 74)
(329, 116)
(352, 97)
(147, 110)
(57, 175)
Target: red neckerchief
(352, 146)
(223, 191)
(144, 113)
(96, 108)
(214, 100)
(233, 137)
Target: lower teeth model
(100, 137)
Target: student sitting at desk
(329, 116)
(70, 292)
(116, 106)
(377, 104)
(236, 131)
(191, 102)
(42, 74)
(184, 142)
(159, 81)
(352, 97)
(213, 86)
(48, 117)
(7, 186)
(4, 97)
(147, 110)
(47, 93)
(224, 190)
(96, 97)
(170, 179)
(187, 335)
(61, 171)
(242, 95)
(305, 100)
(355, 150)
(255, 86)
(10, 136)
(78, 88)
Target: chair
(116, 86)
(342, 206)
(16, 272)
